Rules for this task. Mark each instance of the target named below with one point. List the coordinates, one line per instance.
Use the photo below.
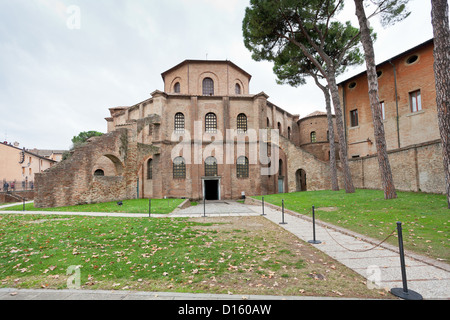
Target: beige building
(18, 167)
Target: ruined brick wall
(415, 168)
(73, 182)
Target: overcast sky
(60, 74)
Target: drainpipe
(396, 103)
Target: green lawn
(159, 206)
(425, 217)
(239, 255)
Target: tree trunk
(348, 181)
(333, 167)
(380, 140)
(331, 137)
(441, 32)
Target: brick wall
(414, 168)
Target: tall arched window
(242, 167)
(210, 167)
(241, 123)
(208, 87)
(179, 168)
(237, 88)
(211, 123)
(177, 87)
(179, 123)
(313, 137)
(150, 169)
(280, 167)
(289, 133)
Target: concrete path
(380, 265)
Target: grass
(159, 206)
(425, 217)
(245, 255)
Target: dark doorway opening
(211, 189)
(300, 177)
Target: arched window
(237, 88)
(241, 123)
(268, 123)
(242, 167)
(99, 173)
(313, 137)
(208, 87)
(150, 169)
(179, 168)
(289, 133)
(280, 167)
(211, 123)
(279, 128)
(210, 167)
(177, 87)
(179, 123)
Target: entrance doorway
(300, 178)
(211, 189)
(280, 185)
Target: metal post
(149, 208)
(282, 212)
(404, 293)
(204, 207)
(263, 214)
(314, 241)
(23, 204)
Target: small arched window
(211, 123)
(237, 88)
(99, 173)
(280, 167)
(179, 123)
(177, 87)
(210, 167)
(241, 123)
(150, 169)
(242, 167)
(179, 168)
(208, 87)
(289, 133)
(313, 137)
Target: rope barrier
(364, 250)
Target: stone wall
(72, 182)
(414, 168)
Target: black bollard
(263, 214)
(23, 204)
(204, 207)
(282, 212)
(314, 241)
(404, 293)
(149, 208)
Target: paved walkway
(381, 265)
